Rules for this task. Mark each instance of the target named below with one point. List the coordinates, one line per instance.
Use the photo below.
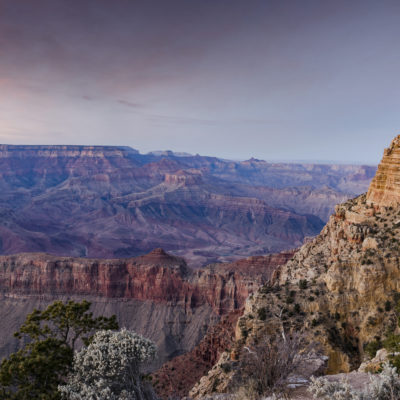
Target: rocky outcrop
(183, 178)
(176, 377)
(157, 295)
(230, 285)
(227, 285)
(385, 187)
(338, 291)
(112, 202)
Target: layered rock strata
(112, 202)
(157, 295)
(385, 187)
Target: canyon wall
(157, 295)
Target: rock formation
(176, 377)
(385, 187)
(339, 290)
(157, 295)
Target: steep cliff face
(157, 295)
(339, 290)
(226, 286)
(176, 377)
(158, 277)
(385, 187)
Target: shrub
(265, 368)
(226, 367)
(321, 388)
(303, 284)
(384, 386)
(109, 368)
(244, 332)
(372, 347)
(392, 345)
(50, 335)
(262, 313)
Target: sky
(270, 79)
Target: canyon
(92, 222)
(113, 202)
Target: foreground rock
(338, 291)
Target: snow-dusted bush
(321, 388)
(109, 368)
(383, 386)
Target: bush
(49, 338)
(372, 347)
(262, 313)
(226, 367)
(384, 386)
(265, 368)
(109, 368)
(303, 284)
(392, 345)
(321, 388)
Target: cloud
(88, 98)
(130, 104)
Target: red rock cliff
(157, 276)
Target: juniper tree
(50, 336)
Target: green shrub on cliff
(48, 339)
